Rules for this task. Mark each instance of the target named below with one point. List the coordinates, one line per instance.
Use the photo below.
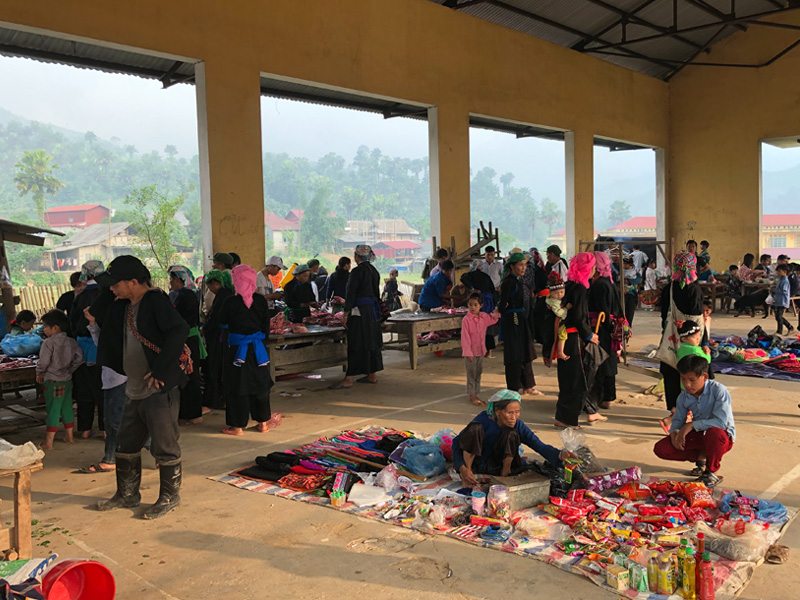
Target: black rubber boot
(129, 476)
(169, 495)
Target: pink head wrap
(580, 268)
(244, 280)
(603, 264)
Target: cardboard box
(618, 577)
(525, 490)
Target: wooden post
(22, 514)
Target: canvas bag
(670, 340)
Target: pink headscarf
(580, 268)
(603, 264)
(244, 280)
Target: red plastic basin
(79, 580)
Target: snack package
(665, 487)
(650, 509)
(698, 495)
(634, 491)
(606, 481)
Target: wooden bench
(18, 538)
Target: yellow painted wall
(408, 49)
(717, 118)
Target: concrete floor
(226, 542)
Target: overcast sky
(139, 112)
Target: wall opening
(780, 199)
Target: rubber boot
(169, 494)
(129, 476)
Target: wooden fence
(40, 298)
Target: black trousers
(192, 394)
(239, 409)
(571, 383)
(779, 311)
(88, 393)
(156, 417)
(630, 307)
(603, 390)
(519, 376)
(507, 444)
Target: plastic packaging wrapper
(634, 491)
(367, 495)
(21, 345)
(606, 481)
(698, 495)
(438, 515)
(444, 439)
(768, 511)
(387, 478)
(15, 457)
(575, 441)
(749, 547)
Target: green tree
(549, 214)
(170, 151)
(319, 229)
(152, 215)
(35, 176)
(620, 211)
(505, 180)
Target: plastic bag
(769, 511)
(444, 439)
(387, 478)
(422, 458)
(14, 457)
(438, 515)
(21, 345)
(575, 441)
(367, 495)
(749, 547)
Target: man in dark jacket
(143, 336)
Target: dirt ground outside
(224, 542)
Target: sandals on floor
(777, 554)
(95, 468)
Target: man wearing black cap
(555, 262)
(143, 336)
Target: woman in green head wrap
(220, 284)
(490, 443)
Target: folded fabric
(261, 474)
(304, 482)
(271, 465)
(284, 457)
(304, 470)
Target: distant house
(637, 227)
(382, 230)
(780, 234)
(283, 229)
(396, 249)
(78, 217)
(347, 242)
(559, 238)
(96, 242)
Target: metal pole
(622, 298)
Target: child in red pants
(711, 432)
(58, 358)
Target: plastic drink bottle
(652, 572)
(681, 557)
(665, 576)
(706, 588)
(701, 549)
(689, 592)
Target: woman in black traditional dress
(181, 282)
(603, 298)
(362, 318)
(572, 388)
(220, 284)
(516, 328)
(299, 295)
(247, 378)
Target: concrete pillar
(448, 137)
(579, 155)
(231, 180)
(661, 207)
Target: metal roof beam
(689, 60)
(630, 17)
(574, 32)
(707, 8)
(580, 45)
(658, 36)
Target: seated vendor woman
(490, 444)
(299, 295)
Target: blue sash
(243, 342)
(370, 301)
(488, 302)
(89, 349)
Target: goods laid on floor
(634, 535)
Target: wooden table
(18, 537)
(409, 325)
(714, 291)
(18, 379)
(321, 347)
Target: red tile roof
(59, 209)
(778, 220)
(277, 223)
(637, 223)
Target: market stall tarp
(730, 576)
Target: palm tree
(619, 212)
(35, 175)
(506, 180)
(549, 214)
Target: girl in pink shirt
(473, 344)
